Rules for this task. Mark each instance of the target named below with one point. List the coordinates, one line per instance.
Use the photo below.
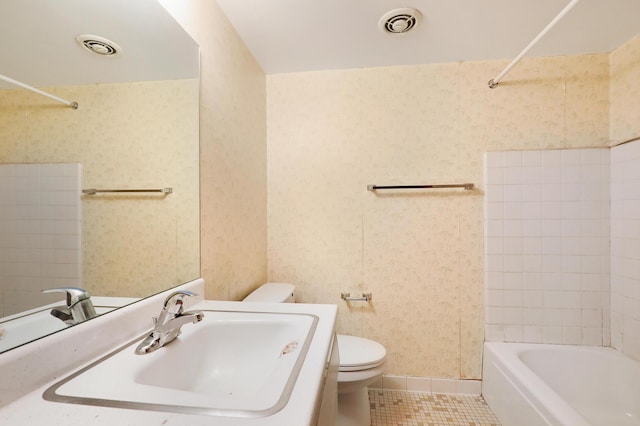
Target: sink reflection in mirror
(239, 364)
(16, 330)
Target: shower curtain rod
(493, 83)
(71, 104)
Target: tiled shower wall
(40, 224)
(625, 249)
(547, 246)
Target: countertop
(32, 409)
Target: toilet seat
(358, 353)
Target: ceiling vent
(400, 21)
(99, 45)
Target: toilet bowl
(362, 361)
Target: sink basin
(239, 364)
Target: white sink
(241, 364)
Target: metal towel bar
(93, 191)
(466, 186)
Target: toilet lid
(358, 353)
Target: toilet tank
(273, 293)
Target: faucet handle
(178, 296)
(74, 294)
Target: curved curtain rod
(493, 83)
(72, 104)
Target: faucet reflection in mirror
(79, 307)
(169, 323)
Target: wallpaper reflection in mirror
(125, 135)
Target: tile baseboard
(429, 385)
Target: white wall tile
(554, 252)
(494, 193)
(571, 191)
(531, 176)
(532, 192)
(512, 159)
(495, 175)
(532, 245)
(551, 157)
(532, 158)
(532, 316)
(512, 228)
(512, 175)
(512, 193)
(552, 263)
(514, 333)
(532, 298)
(572, 335)
(552, 174)
(493, 159)
(571, 157)
(532, 334)
(41, 214)
(494, 333)
(552, 335)
(593, 156)
(573, 173)
(513, 280)
(593, 337)
(532, 228)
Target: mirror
(136, 128)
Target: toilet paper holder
(366, 297)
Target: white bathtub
(537, 384)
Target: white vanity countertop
(32, 409)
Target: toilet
(362, 361)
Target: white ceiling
(38, 47)
(304, 35)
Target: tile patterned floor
(395, 408)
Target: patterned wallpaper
(125, 136)
(233, 196)
(420, 253)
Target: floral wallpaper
(233, 196)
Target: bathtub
(539, 384)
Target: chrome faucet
(169, 323)
(79, 307)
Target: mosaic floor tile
(396, 408)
